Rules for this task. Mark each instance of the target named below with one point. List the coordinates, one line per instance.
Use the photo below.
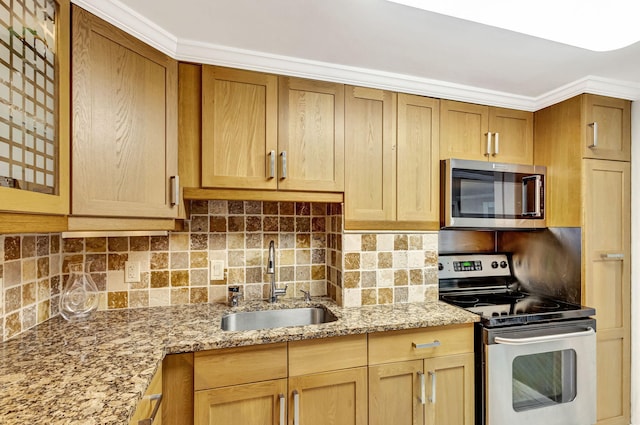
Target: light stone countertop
(95, 372)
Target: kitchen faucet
(271, 269)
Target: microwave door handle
(538, 196)
(546, 338)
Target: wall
(313, 253)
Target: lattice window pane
(28, 90)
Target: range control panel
(458, 266)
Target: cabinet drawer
(385, 347)
(325, 354)
(233, 366)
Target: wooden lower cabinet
(396, 392)
(422, 377)
(147, 406)
(330, 398)
(375, 379)
(257, 403)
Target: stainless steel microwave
(491, 195)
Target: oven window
(543, 379)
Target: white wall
(635, 258)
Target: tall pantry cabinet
(585, 144)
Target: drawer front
(233, 366)
(386, 347)
(325, 354)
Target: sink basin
(266, 319)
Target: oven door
(543, 376)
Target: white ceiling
(379, 44)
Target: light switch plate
(132, 271)
(216, 269)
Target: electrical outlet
(216, 269)
(132, 271)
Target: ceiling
(379, 44)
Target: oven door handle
(545, 338)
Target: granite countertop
(95, 372)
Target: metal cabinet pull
(175, 190)
(433, 344)
(282, 409)
(432, 398)
(496, 144)
(283, 169)
(296, 407)
(613, 256)
(488, 152)
(272, 164)
(423, 390)
(594, 125)
(149, 420)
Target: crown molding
(139, 26)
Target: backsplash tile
(312, 253)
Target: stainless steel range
(535, 356)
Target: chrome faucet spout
(271, 270)
(271, 262)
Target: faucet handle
(234, 296)
(307, 295)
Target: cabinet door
(330, 398)
(40, 168)
(395, 393)
(512, 139)
(450, 390)
(125, 142)
(261, 403)
(463, 130)
(239, 128)
(311, 135)
(607, 128)
(418, 166)
(370, 179)
(607, 286)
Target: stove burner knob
(503, 264)
(494, 265)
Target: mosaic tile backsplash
(312, 253)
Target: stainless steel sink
(266, 319)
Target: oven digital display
(465, 266)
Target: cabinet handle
(296, 407)
(433, 344)
(281, 397)
(432, 398)
(613, 256)
(496, 144)
(423, 390)
(594, 125)
(283, 169)
(149, 420)
(175, 190)
(488, 152)
(272, 164)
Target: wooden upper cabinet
(370, 178)
(239, 129)
(484, 133)
(418, 170)
(311, 135)
(124, 151)
(264, 132)
(606, 123)
(392, 181)
(34, 141)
